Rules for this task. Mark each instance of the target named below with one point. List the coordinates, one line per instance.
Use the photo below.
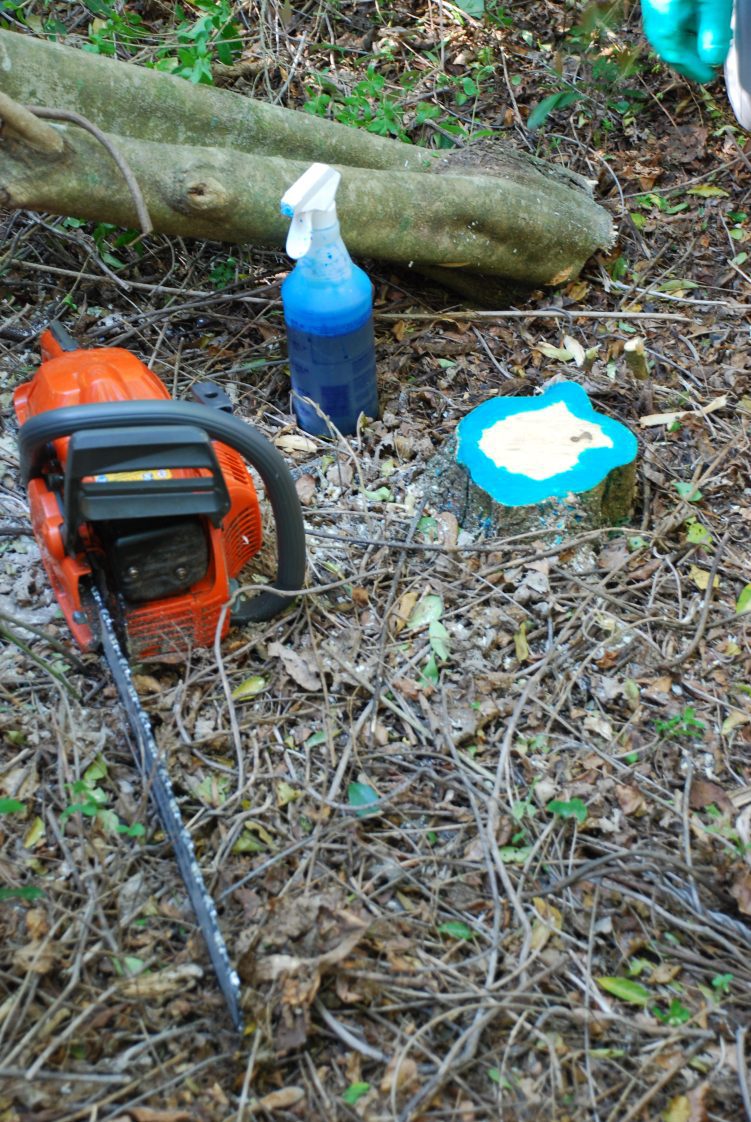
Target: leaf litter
(489, 853)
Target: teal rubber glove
(691, 36)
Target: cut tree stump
(549, 467)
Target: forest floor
(547, 913)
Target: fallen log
(213, 164)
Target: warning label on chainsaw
(133, 476)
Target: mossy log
(213, 164)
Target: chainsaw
(145, 512)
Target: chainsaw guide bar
(157, 782)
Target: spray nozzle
(310, 203)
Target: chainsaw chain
(159, 785)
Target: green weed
(91, 801)
(683, 724)
(604, 92)
(214, 37)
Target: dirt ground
(547, 912)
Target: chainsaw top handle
(37, 433)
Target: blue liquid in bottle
(328, 310)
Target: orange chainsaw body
(160, 627)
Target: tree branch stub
(26, 125)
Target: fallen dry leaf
(162, 983)
(630, 799)
(271, 967)
(403, 611)
(146, 1114)
(678, 1110)
(36, 923)
(593, 722)
(549, 923)
(691, 1107)
(147, 683)
(700, 577)
(705, 793)
(408, 687)
(663, 973)
(306, 489)
(298, 668)
(448, 528)
(281, 1099)
(35, 958)
(294, 444)
(653, 419)
(466, 1111)
(741, 892)
(399, 1074)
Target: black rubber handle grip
(37, 433)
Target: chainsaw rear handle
(37, 433)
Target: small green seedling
(574, 808)
(682, 724)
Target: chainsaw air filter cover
(149, 562)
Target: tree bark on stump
(449, 487)
(211, 163)
(547, 465)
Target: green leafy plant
(355, 1092)
(696, 534)
(197, 43)
(604, 92)
(561, 99)
(626, 990)
(24, 892)
(372, 106)
(498, 15)
(112, 28)
(363, 799)
(688, 491)
(91, 801)
(634, 993)
(11, 806)
(12, 11)
(456, 929)
(721, 983)
(683, 724)
(369, 106)
(675, 1014)
(473, 8)
(743, 603)
(223, 273)
(720, 825)
(215, 36)
(574, 808)
(523, 808)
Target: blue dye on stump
(557, 442)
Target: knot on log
(201, 194)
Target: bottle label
(337, 373)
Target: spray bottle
(328, 310)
